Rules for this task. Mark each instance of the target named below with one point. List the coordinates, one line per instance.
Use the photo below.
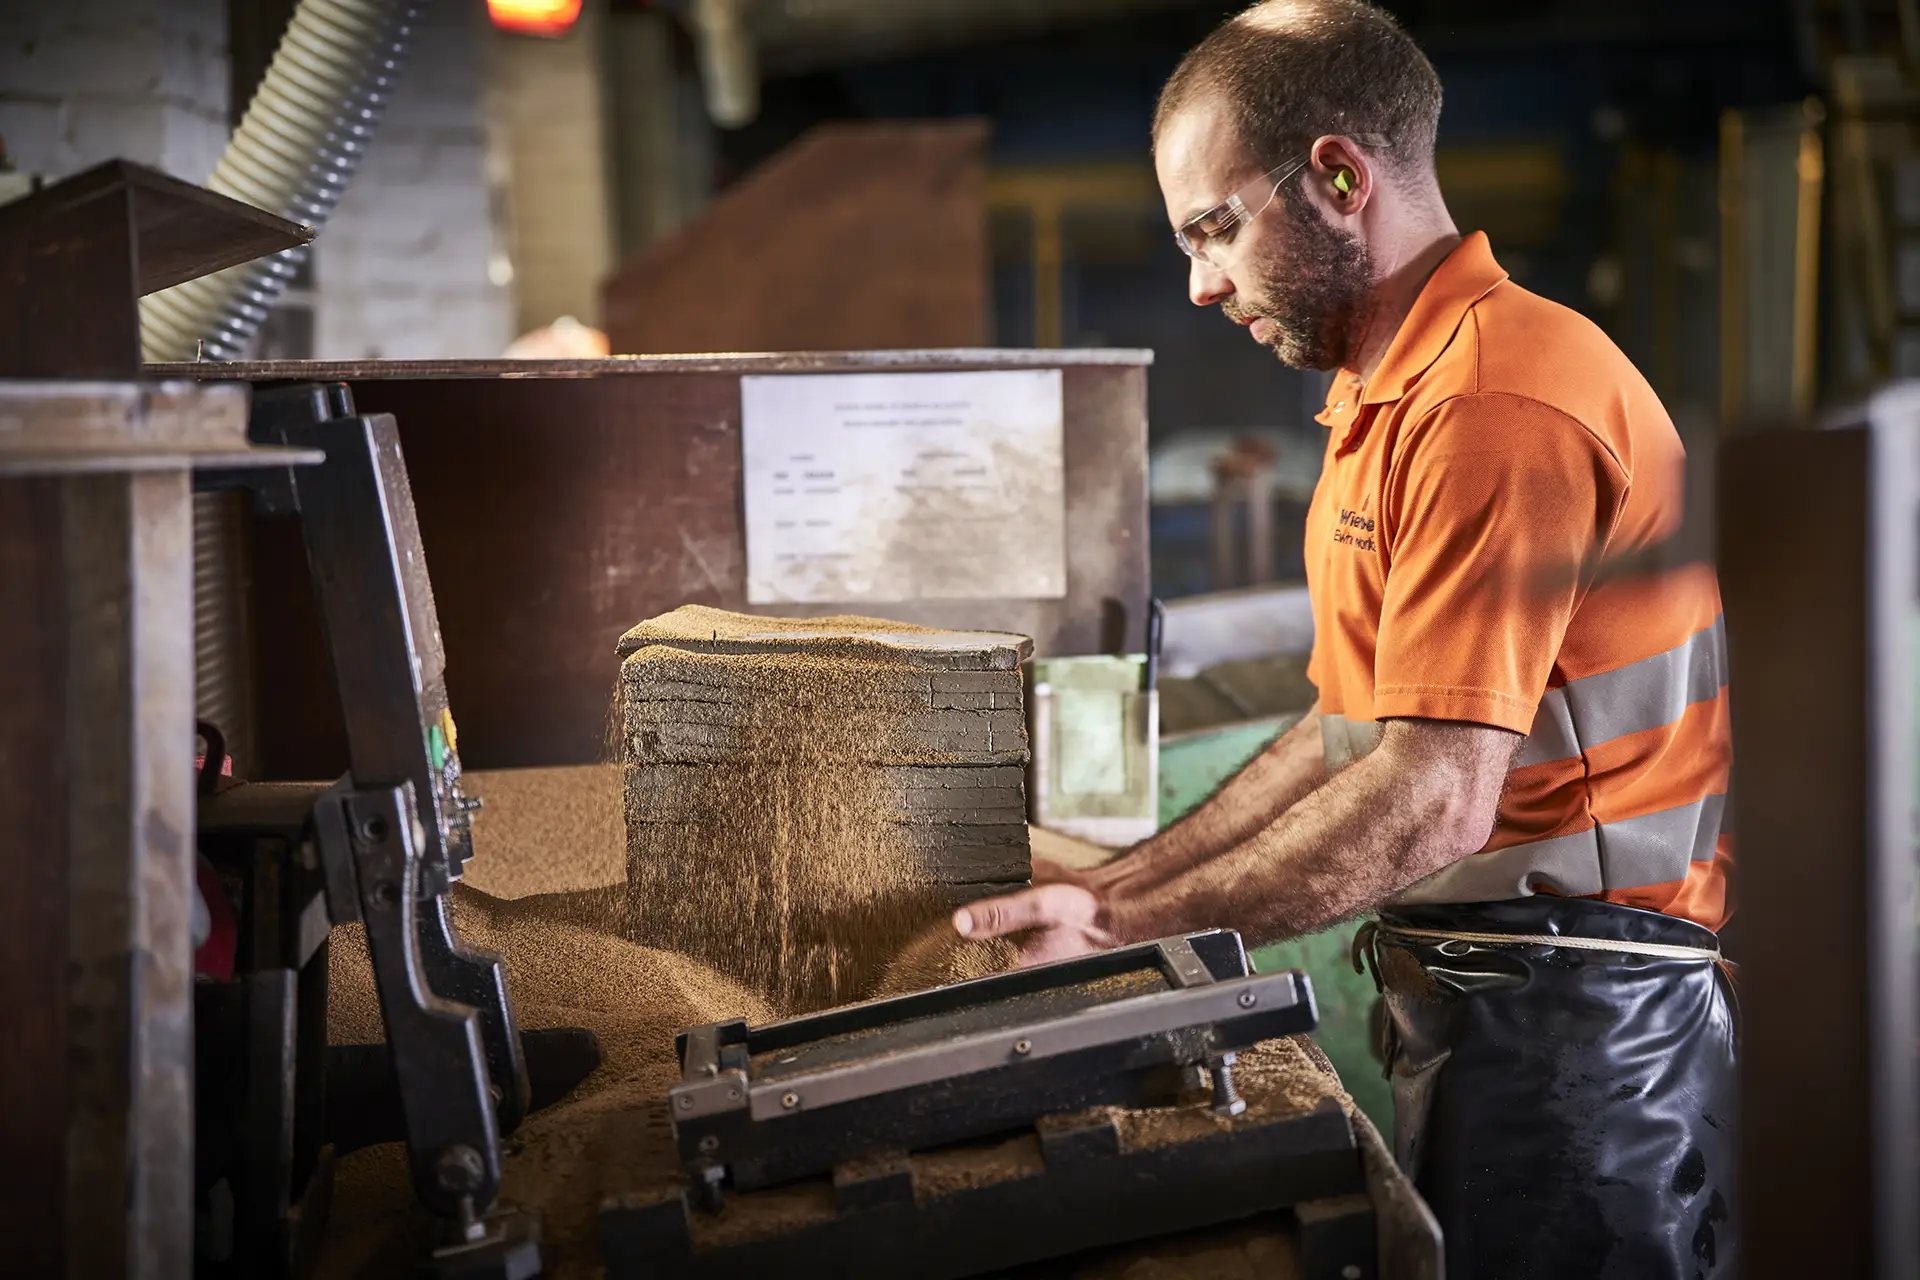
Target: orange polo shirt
(1503, 444)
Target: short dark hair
(1291, 71)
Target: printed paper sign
(904, 486)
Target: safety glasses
(1207, 236)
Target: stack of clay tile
(803, 796)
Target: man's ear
(1344, 173)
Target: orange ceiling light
(534, 17)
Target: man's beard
(1315, 293)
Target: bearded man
(1518, 767)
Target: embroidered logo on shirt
(1356, 530)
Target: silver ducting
(303, 136)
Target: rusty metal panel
(560, 503)
(127, 549)
(33, 837)
(96, 802)
(860, 234)
(76, 256)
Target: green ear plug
(1343, 182)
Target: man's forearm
(1383, 823)
(1289, 768)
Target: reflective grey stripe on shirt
(1642, 695)
(1654, 848)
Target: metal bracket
(446, 1090)
(369, 570)
(452, 1136)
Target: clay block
(700, 747)
(701, 629)
(946, 854)
(934, 730)
(833, 780)
(673, 785)
(976, 682)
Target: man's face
(1298, 281)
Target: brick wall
(410, 265)
(82, 81)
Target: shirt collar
(1465, 276)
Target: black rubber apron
(1567, 1113)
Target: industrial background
(1662, 167)
(524, 191)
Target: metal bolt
(471, 1228)
(373, 829)
(789, 1100)
(385, 893)
(686, 1102)
(459, 1169)
(709, 1144)
(1248, 999)
(1351, 1271)
(1023, 1047)
(1226, 1099)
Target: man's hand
(1047, 871)
(1066, 919)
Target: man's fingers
(1049, 945)
(997, 917)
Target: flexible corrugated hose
(304, 134)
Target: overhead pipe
(723, 39)
(304, 134)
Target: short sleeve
(1492, 504)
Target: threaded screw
(1226, 1099)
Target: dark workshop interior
(652, 638)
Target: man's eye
(1220, 224)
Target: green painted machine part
(1192, 767)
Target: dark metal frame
(757, 1106)
(386, 844)
(852, 1093)
(1090, 1193)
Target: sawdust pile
(1263, 1249)
(546, 830)
(568, 965)
(939, 957)
(800, 804)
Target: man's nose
(1206, 283)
